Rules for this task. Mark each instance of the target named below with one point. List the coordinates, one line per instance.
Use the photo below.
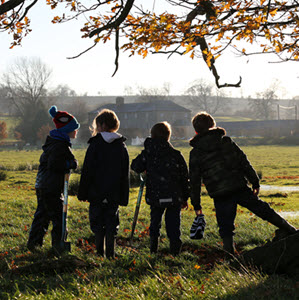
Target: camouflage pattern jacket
(220, 164)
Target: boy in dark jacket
(225, 170)
(167, 186)
(56, 160)
(105, 180)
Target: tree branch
(117, 22)
(207, 7)
(9, 5)
(28, 8)
(82, 52)
(116, 50)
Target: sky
(92, 72)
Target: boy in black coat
(225, 171)
(105, 180)
(167, 187)
(56, 160)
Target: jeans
(172, 222)
(226, 209)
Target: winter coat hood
(157, 147)
(108, 137)
(209, 141)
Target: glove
(72, 164)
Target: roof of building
(163, 105)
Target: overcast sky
(91, 73)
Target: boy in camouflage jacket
(222, 166)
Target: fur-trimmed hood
(209, 140)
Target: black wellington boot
(228, 244)
(154, 243)
(110, 245)
(100, 242)
(175, 247)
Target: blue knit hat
(64, 121)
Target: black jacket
(220, 164)
(55, 161)
(166, 172)
(105, 173)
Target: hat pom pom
(53, 111)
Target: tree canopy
(198, 28)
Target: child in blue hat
(56, 160)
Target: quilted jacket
(218, 163)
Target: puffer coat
(166, 173)
(218, 163)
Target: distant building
(136, 119)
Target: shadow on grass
(274, 288)
(39, 271)
(43, 272)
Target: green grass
(200, 272)
(279, 165)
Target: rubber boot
(154, 244)
(33, 246)
(175, 247)
(110, 245)
(100, 242)
(228, 244)
(281, 223)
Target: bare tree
(26, 80)
(264, 103)
(62, 90)
(201, 96)
(79, 109)
(128, 90)
(153, 93)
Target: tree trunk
(280, 257)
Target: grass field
(278, 164)
(200, 272)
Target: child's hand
(185, 205)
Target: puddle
(284, 214)
(291, 214)
(265, 187)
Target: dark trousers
(226, 209)
(49, 208)
(172, 222)
(103, 218)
